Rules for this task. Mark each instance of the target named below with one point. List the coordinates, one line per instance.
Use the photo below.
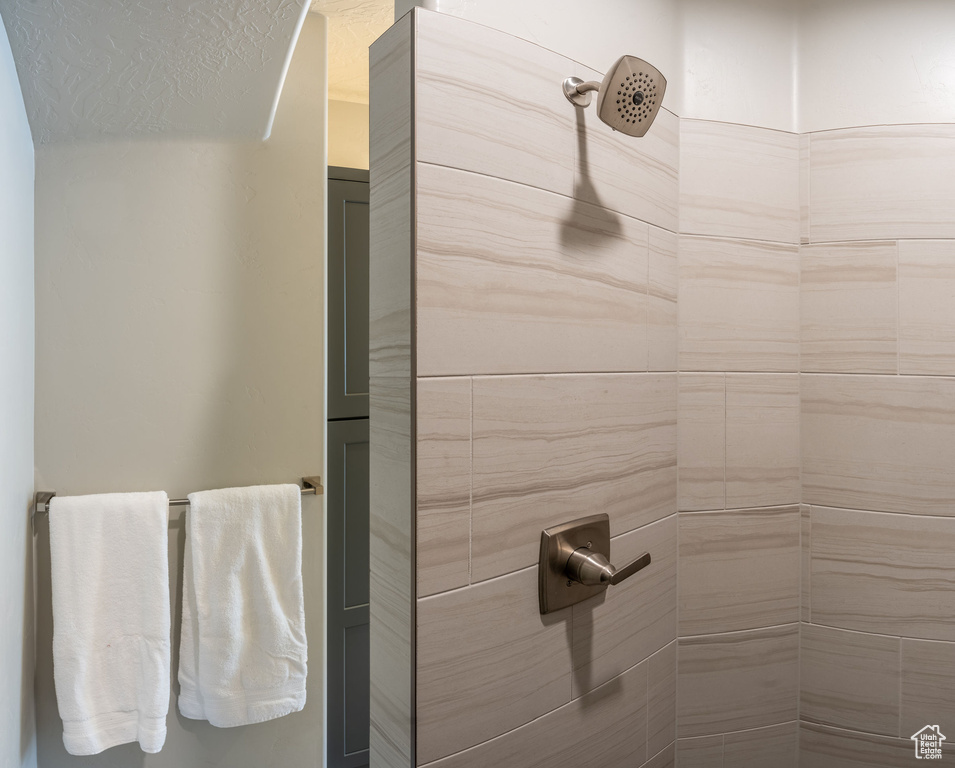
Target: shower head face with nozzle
(630, 95)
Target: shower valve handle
(575, 565)
(593, 569)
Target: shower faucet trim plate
(575, 563)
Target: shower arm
(578, 92)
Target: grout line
(901, 641)
(809, 190)
(759, 728)
(799, 673)
(545, 190)
(838, 729)
(646, 324)
(676, 640)
(655, 756)
(646, 735)
(896, 376)
(743, 631)
(918, 515)
(809, 580)
(725, 430)
(538, 374)
(881, 634)
(767, 508)
(898, 312)
(471, 484)
(499, 736)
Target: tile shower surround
(813, 341)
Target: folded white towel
(243, 653)
(110, 574)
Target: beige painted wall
(17, 733)
(347, 134)
(180, 304)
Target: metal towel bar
(310, 485)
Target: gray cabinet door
(347, 610)
(347, 482)
(347, 294)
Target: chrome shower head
(629, 97)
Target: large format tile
(927, 307)
(739, 181)
(512, 279)
(776, 746)
(443, 456)
(884, 573)
(823, 747)
(630, 621)
(391, 584)
(463, 120)
(548, 449)
(849, 679)
(700, 752)
(488, 662)
(661, 699)
(391, 206)
(879, 442)
(665, 758)
(849, 308)
(762, 439)
(804, 186)
(738, 570)
(928, 679)
(662, 309)
(702, 440)
(739, 305)
(607, 727)
(805, 562)
(637, 177)
(391, 519)
(738, 680)
(883, 183)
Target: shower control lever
(575, 563)
(592, 569)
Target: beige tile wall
(737, 680)
(849, 679)
(547, 449)
(738, 181)
(878, 442)
(512, 279)
(545, 364)
(738, 443)
(886, 182)
(391, 428)
(738, 570)
(821, 746)
(739, 305)
(849, 308)
(803, 288)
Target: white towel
(110, 575)
(243, 653)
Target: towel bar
(310, 485)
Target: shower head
(629, 97)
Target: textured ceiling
(353, 25)
(120, 68)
